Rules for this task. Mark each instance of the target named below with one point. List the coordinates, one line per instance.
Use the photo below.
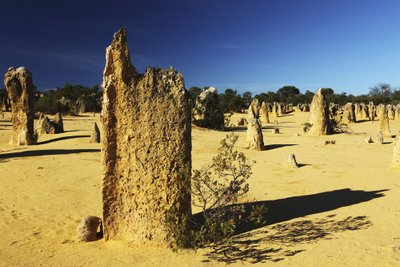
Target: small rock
(332, 142)
(291, 161)
(87, 229)
(95, 135)
(242, 122)
(379, 137)
(58, 123)
(368, 140)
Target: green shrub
(216, 188)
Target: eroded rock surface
(319, 115)
(89, 229)
(46, 126)
(254, 135)
(146, 150)
(19, 85)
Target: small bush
(216, 189)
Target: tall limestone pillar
(19, 86)
(254, 136)
(383, 117)
(146, 150)
(319, 115)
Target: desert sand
(340, 208)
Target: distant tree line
(231, 101)
(67, 99)
(77, 98)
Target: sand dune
(340, 208)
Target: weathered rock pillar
(371, 111)
(254, 135)
(19, 85)
(146, 150)
(264, 113)
(396, 153)
(319, 115)
(349, 114)
(383, 120)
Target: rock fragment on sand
(379, 137)
(46, 126)
(291, 162)
(242, 122)
(329, 142)
(58, 123)
(95, 135)
(368, 140)
(89, 229)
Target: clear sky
(255, 45)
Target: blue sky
(255, 45)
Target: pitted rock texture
(89, 229)
(206, 112)
(254, 135)
(146, 150)
(19, 85)
(319, 115)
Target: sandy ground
(340, 208)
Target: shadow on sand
(62, 138)
(274, 146)
(45, 152)
(274, 240)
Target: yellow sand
(46, 189)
